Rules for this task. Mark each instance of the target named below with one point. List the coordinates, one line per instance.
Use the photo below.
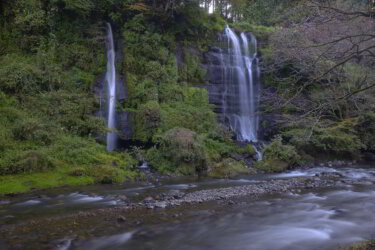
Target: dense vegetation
(318, 81)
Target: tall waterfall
(111, 81)
(242, 86)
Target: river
(314, 218)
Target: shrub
(278, 157)
(340, 139)
(33, 130)
(181, 151)
(106, 174)
(216, 150)
(77, 172)
(32, 161)
(229, 168)
(366, 130)
(147, 121)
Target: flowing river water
(315, 218)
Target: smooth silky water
(314, 219)
(318, 219)
(111, 83)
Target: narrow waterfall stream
(111, 81)
(242, 85)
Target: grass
(21, 183)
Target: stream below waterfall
(316, 218)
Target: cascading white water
(111, 81)
(242, 88)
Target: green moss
(26, 182)
(260, 31)
(229, 168)
(273, 165)
(247, 150)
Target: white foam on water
(108, 242)
(29, 203)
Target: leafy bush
(32, 161)
(341, 138)
(181, 151)
(147, 121)
(366, 130)
(278, 157)
(229, 168)
(217, 150)
(77, 172)
(106, 174)
(72, 111)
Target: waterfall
(241, 85)
(111, 81)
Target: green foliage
(71, 110)
(340, 138)
(247, 150)
(278, 157)
(217, 150)
(277, 150)
(366, 130)
(19, 75)
(182, 150)
(194, 22)
(147, 121)
(270, 12)
(273, 165)
(106, 174)
(191, 71)
(179, 114)
(30, 162)
(77, 172)
(229, 168)
(260, 31)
